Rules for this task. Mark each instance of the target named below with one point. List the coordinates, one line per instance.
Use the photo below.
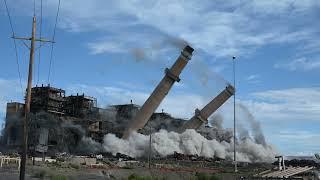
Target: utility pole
(28, 97)
(234, 114)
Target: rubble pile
(195, 157)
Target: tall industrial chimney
(202, 116)
(153, 102)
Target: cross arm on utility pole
(29, 39)
(45, 40)
(21, 38)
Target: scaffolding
(47, 99)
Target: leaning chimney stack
(202, 116)
(153, 102)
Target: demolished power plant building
(74, 124)
(80, 117)
(49, 105)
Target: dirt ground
(173, 170)
(44, 172)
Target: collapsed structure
(65, 123)
(50, 108)
(57, 120)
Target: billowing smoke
(215, 130)
(76, 141)
(189, 142)
(139, 54)
(88, 145)
(161, 121)
(206, 75)
(63, 134)
(108, 114)
(165, 44)
(135, 146)
(255, 125)
(115, 119)
(177, 42)
(172, 41)
(243, 133)
(208, 141)
(216, 121)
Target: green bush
(58, 177)
(136, 177)
(214, 177)
(205, 176)
(127, 167)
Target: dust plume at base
(189, 142)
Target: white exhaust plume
(189, 142)
(254, 124)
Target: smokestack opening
(189, 49)
(231, 89)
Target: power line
(34, 7)
(15, 45)
(34, 15)
(40, 42)
(53, 37)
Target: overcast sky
(117, 51)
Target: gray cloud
(220, 28)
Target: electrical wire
(39, 56)
(34, 7)
(15, 45)
(52, 44)
(33, 65)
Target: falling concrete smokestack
(152, 103)
(202, 116)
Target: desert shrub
(205, 176)
(214, 177)
(127, 167)
(58, 177)
(136, 177)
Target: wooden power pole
(28, 97)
